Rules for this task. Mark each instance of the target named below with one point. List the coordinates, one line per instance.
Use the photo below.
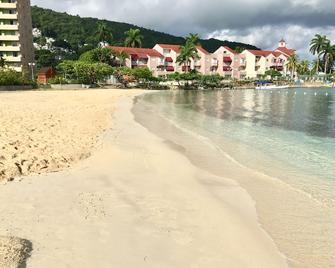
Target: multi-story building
(16, 41)
(143, 57)
(162, 60)
(257, 62)
(228, 63)
(171, 53)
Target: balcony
(214, 63)
(277, 67)
(9, 37)
(12, 58)
(8, 27)
(227, 69)
(10, 48)
(168, 59)
(8, 5)
(8, 16)
(186, 68)
(169, 68)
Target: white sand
(137, 202)
(48, 131)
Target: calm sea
(293, 129)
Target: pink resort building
(171, 53)
(162, 60)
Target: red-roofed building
(162, 59)
(260, 61)
(227, 63)
(171, 53)
(142, 57)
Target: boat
(269, 85)
(272, 87)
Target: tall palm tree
(304, 67)
(189, 51)
(328, 54)
(103, 34)
(193, 39)
(316, 47)
(134, 38)
(292, 64)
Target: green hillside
(72, 32)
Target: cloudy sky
(258, 22)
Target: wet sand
(136, 202)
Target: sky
(258, 22)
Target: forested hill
(72, 32)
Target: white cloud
(258, 22)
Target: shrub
(10, 77)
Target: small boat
(271, 87)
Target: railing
(8, 16)
(9, 37)
(8, 5)
(10, 48)
(9, 27)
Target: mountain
(72, 32)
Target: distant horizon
(250, 23)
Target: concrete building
(162, 60)
(257, 62)
(16, 41)
(171, 53)
(143, 57)
(228, 63)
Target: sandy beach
(137, 201)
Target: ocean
(284, 138)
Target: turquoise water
(286, 134)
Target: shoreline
(129, 191)
(297, 223)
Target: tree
(292, 64)
(328, 54)
(45, 58)
(103, 34)
(84, 72)
(189, 51)
(316, 46)
(102, 55)
(134, 38)
(121, 57)
(2, 62)
(303, 67)
(273, 73)
(193, 39)
(239, 49)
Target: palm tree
(103, 34)
(122, 56)
(316, 47)
(292, 64)
(328, 53)
(193, 39)
(189, 51)
(133, 38)
(303, 67)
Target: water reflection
(299, 110)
